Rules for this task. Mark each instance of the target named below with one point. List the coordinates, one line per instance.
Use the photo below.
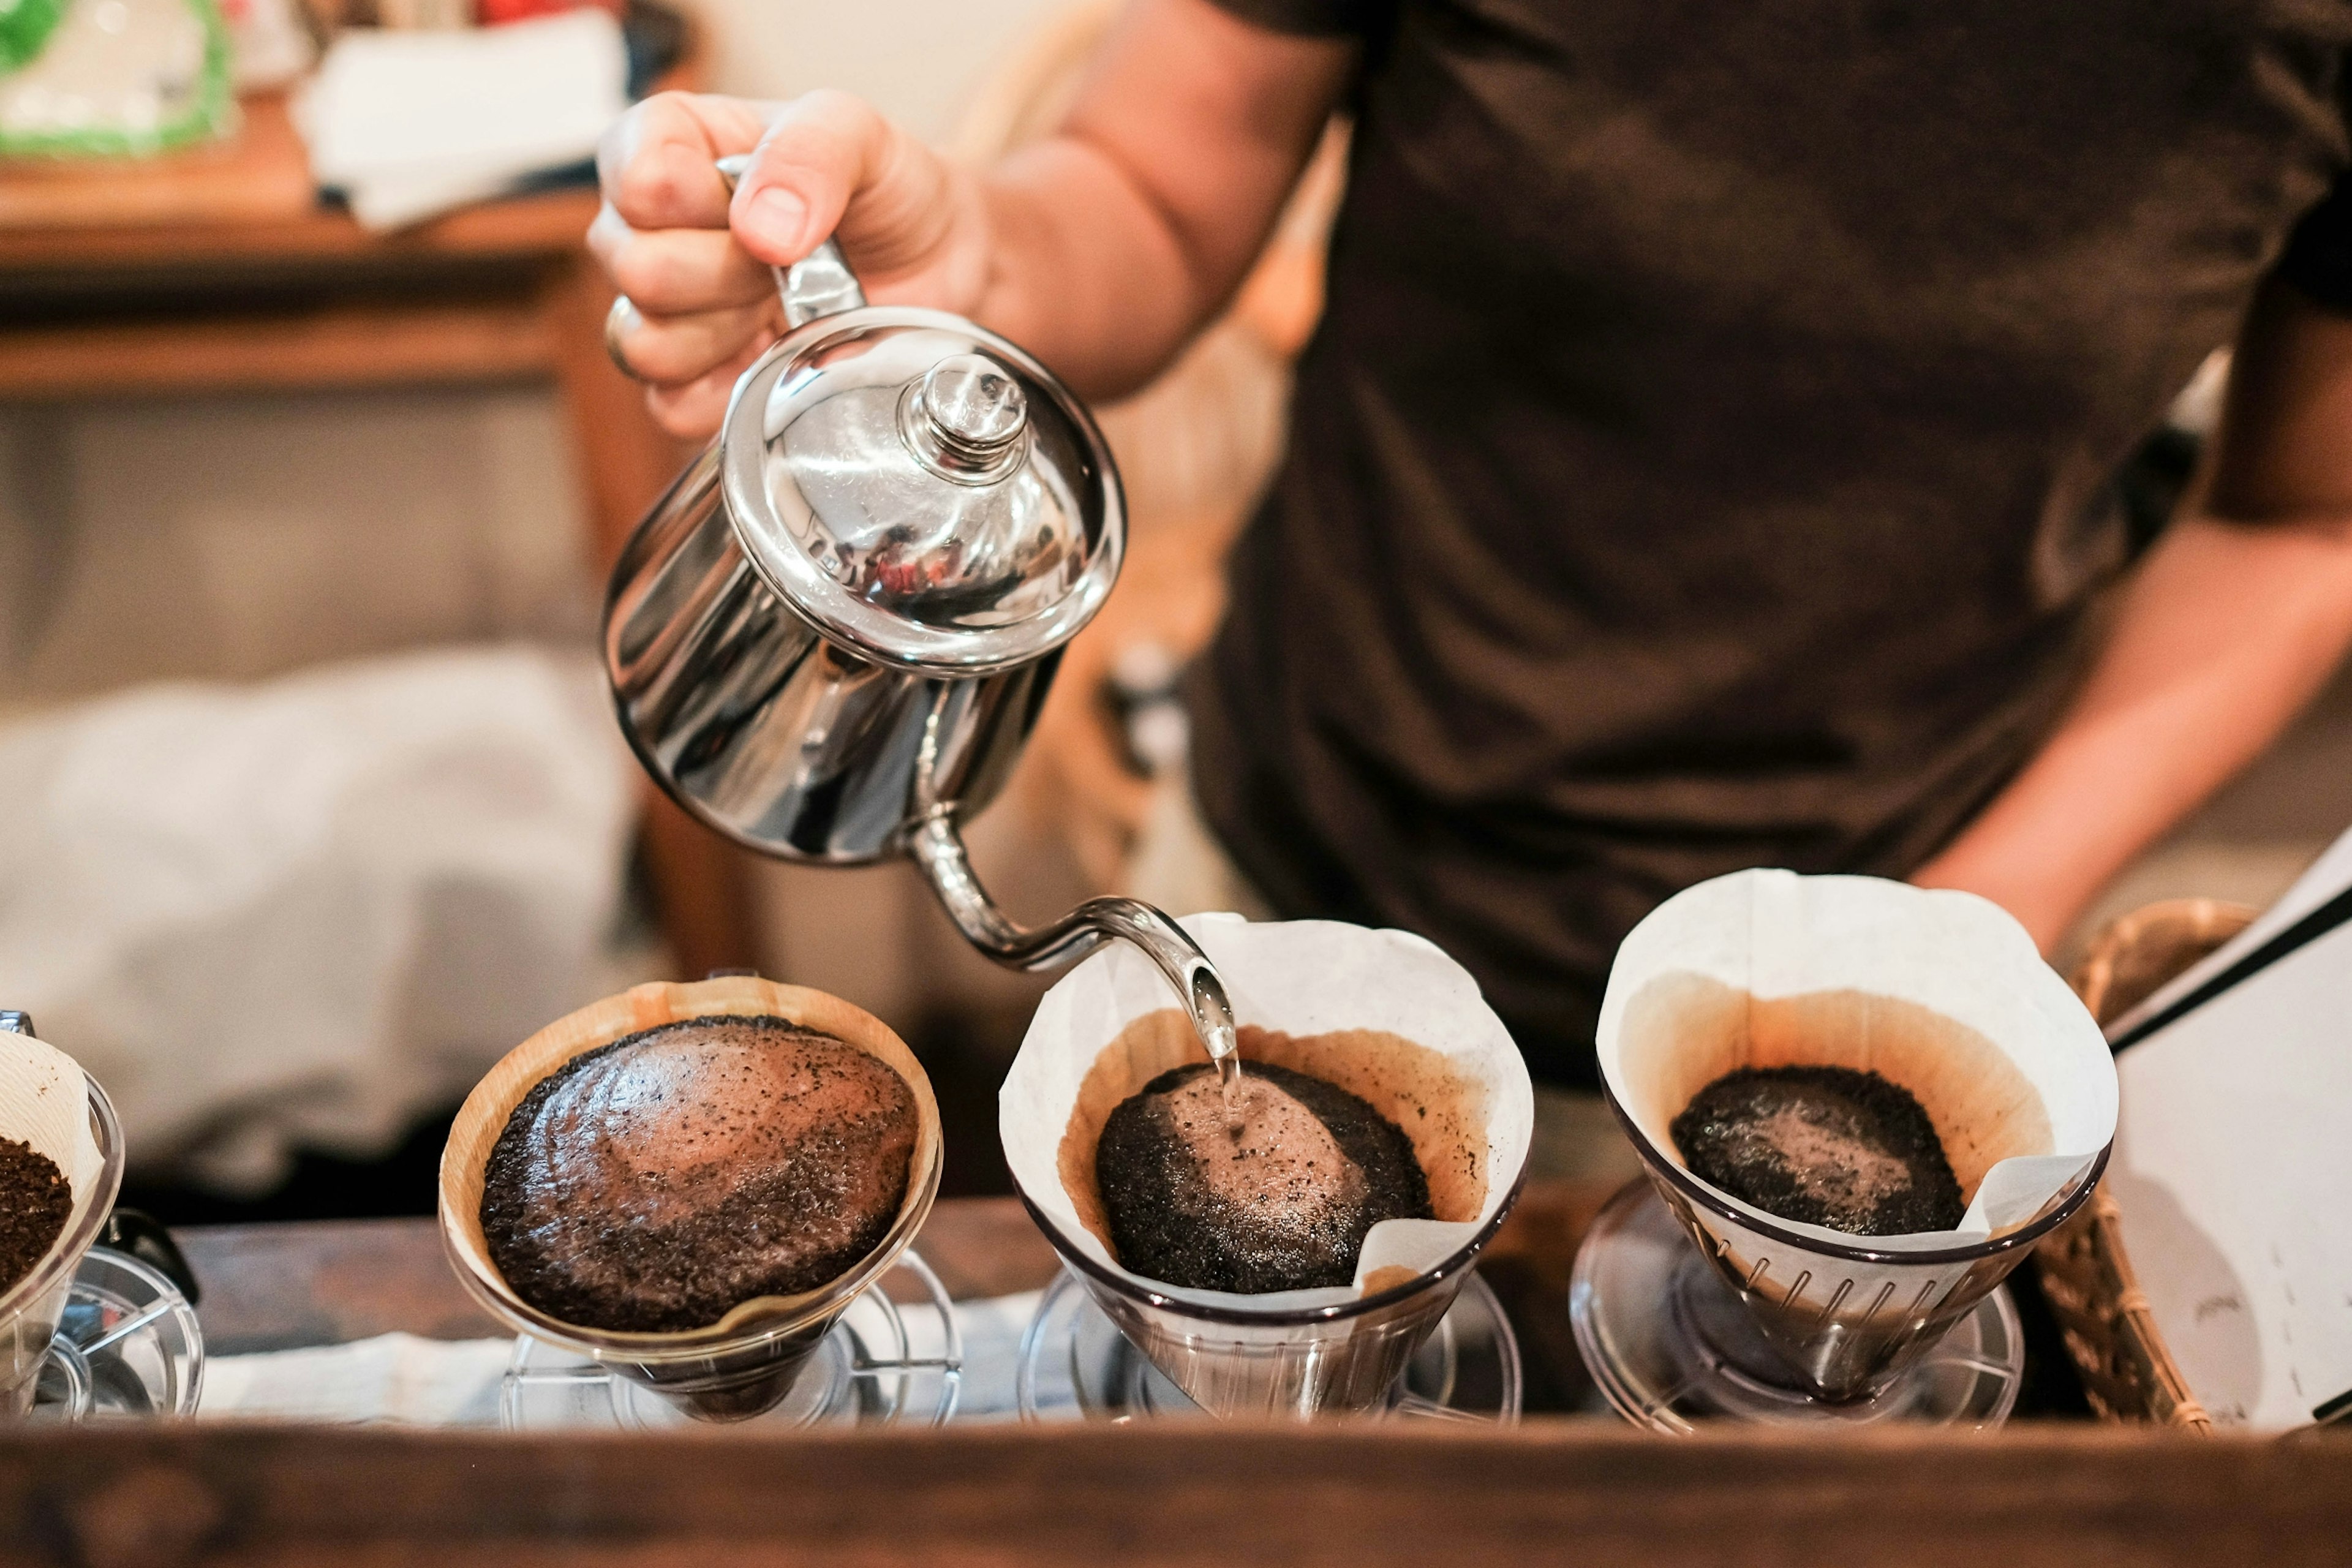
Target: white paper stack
(411, 125)
(2233, 1168)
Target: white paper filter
(1767, 968)
(45, 1102)
(1301, 978)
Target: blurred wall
(918, 60)
(237, 537)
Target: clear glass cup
(1839, 1321)
(32, 1308)
(1294, 1362)
(746, 1363)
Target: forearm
(2237, 618)
(1084, 273)
(2227, 632)
(1117, 239)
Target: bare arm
(2237, 618)
(1101, 248)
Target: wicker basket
(2085, 1273)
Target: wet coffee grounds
(1282, 1202)
(661, 1181)
(1821, 1145)
(35, 1200)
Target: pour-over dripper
(1940, 992)
(1383, 1014)
(747, 1362)
(31, 1308)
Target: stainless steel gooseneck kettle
(832, 636)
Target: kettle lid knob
(967, 417)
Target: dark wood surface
(148, 1496)
(322, 1282)
(280, 1286)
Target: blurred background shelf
(333, 346)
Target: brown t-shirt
(1706, 458)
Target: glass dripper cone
(1671, 1348)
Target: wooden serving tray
(1352, 1494)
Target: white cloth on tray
(396, 1378)
(401, 1379)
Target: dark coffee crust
(1717, 1133)
(809, 1184)
(35, 1201)
(1166, 1225)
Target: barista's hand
(1101, 248)
(695, 266)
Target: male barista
(1705, 459)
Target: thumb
(817, 156)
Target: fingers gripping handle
(818, 284)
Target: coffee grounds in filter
(35, 1201)
(1282, 1204)
(657, 1182)
(1821, 1145)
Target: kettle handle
(818, 284)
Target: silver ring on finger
(623, 317)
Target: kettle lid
(921, 490)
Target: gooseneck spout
(940, 852)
